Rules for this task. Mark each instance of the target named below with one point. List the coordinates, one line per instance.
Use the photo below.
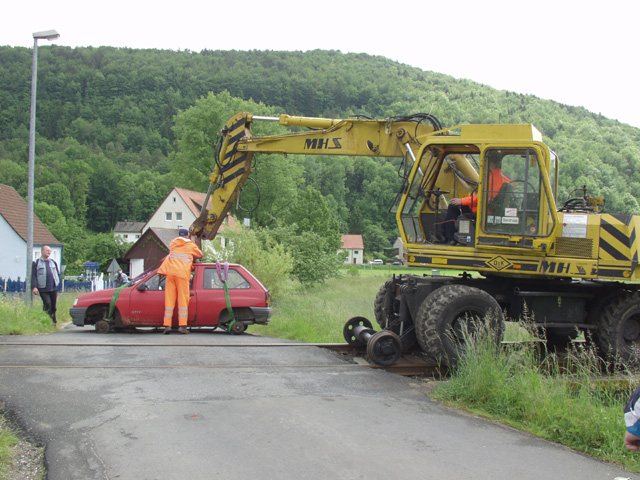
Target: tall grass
(318, 314)
(562, 402)
(18, 319)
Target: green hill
(107, 149)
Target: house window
(168, 216)
(178, 216)
(355, 252)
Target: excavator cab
(507, 189)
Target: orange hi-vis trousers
(176, 288)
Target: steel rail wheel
(384, 348)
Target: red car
(141, 304)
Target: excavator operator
(177, 267)
(469, 204)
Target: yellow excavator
(481, 199)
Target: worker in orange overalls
(177, 267)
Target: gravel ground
(28, 462)
(28, 456)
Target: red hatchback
(141, 303)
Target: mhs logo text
(322, 144)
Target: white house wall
(354, 258)
(13, 262)
(173, 204)
(136, 267)
(128, 237)
(14, 253)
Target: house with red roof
(178, 210)
(13, 232)
(354, 247)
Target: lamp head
(47, 34)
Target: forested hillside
(116, 132)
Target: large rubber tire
(448, 313)
(618, 334)
(379, 304)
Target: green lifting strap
(226, 295)
(114, 299)
(226, 292)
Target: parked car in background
(377, 261)
(141, 303)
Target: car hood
(100, 296)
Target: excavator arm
(350, 137)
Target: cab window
(512, 192)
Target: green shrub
(257, 251)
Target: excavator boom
(351, 137)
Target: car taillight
(267, 298)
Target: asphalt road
(171, 409)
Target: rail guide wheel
(354, 328)
(384, 348)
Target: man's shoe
(166, 331)
(183, 330)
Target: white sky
(576, 53)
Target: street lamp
(48, 35)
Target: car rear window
(235, 280)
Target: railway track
(407, 365)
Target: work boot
(166, 331)
(183, 330)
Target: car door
(211, 298)
(146, 301)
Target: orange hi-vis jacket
(496, 180)
(178, 262)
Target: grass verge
(564, 403)
(318, 314)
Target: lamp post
(48, 35)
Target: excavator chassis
(437, 312)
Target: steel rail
(408, 365)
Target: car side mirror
(142, 287)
